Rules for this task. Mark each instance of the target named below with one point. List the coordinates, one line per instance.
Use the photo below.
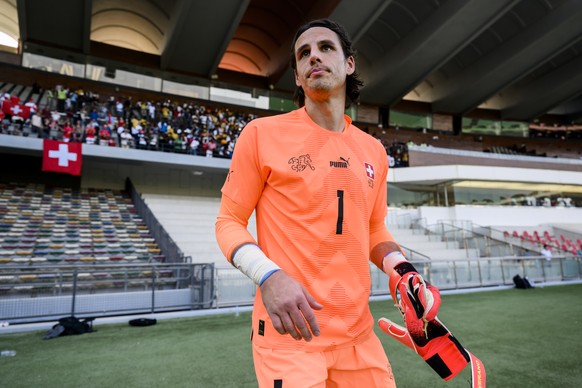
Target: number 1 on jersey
(340, 211)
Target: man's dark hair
(353, 82)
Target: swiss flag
(20, 110)
(63, 157)
(14, 109)
(369, 170)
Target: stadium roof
(519, 58)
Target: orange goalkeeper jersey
(317, 194)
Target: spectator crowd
(82, 116)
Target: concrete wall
(503, 215)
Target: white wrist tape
(391, 259)
(251, 261)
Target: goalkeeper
(318, 187)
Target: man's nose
(314, 56)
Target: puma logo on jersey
(345, 163)
(301, 162)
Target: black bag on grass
(70, 326)
(521, 283)
(143, 322)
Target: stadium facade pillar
(457, 124)
(384, 117)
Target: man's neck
(328, 114)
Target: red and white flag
(62, 157)
(369, 170)
(20, 111)
(14, 109)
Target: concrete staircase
(436, 250)
(190, 223)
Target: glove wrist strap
(478, 377)
(395, 265)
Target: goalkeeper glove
(421, 297)
(437, 346)
(424, 333)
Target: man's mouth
(316, 72)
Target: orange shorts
(363, 365)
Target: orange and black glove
(424, 332)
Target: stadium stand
(534, 239)
(167, 126)
(50, 226)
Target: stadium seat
(28, 278)
(42, 226)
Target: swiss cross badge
(369, 170)
(369, 173)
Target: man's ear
(296, 78)
(350, 65)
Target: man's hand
(290, 306)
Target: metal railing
(235, 289)
(36, 293)
(43, 293)
(474, 238)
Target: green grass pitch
(525, 338)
